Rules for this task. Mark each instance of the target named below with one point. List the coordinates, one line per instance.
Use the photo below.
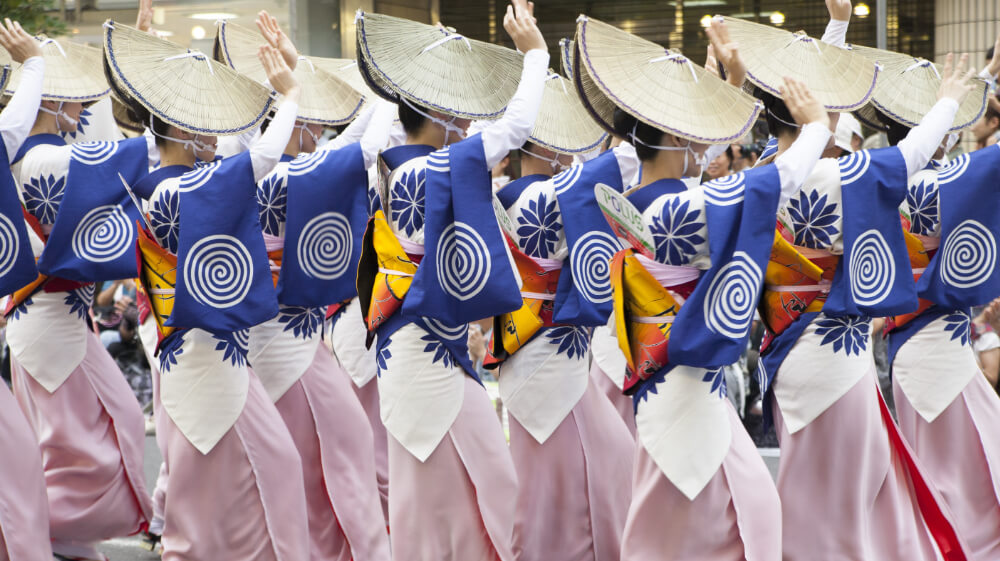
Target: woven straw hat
(840, 80)
(4, 75)
(563, 124)
(566, 54)
(435, 67)
(182, 87)
(326, 99)
(72, 72)
(907, 89)
(661, 88)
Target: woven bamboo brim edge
(868, 115)
(563, 124)
(566, 51)
(908, 86)
(436, 68)
(325, 98)
(840, 79)
(4, 76)
(600, 108)
(640, 89)
(229, 102)
(72, 73)
(346, 69)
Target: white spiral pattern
(726, 191)
(218, 271)
(463, 261)
(954, 170)
(732, 297)
(103, 234)
(969, 255)
(307, 164)
(445, 332)
(324, 247)
(439, 161)
(590, 264)
(93, 153)
(9, 245)
(854, 166)
(872, 268)
(199, 176)
(566, 179)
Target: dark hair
(625, 124)
(729, 152)
(894, 130)
(410, 118)
(989, 53)
(991, 107)
(775, 111)
(136, 111)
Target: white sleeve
(19, 116)
(152, 148)
(836, 33)
(513, 129)
(354, 131)
(232, 145)
(991, 80)
(267, 150)
(628, 163)
(795, 164)
(923, 140)
(376, 128)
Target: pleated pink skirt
(960, 452)
(844, 490)
(92, 434)
(243, 500)
(368, 397)
(621, 402)
(736, 516)
(24, 508)
(458, 505)
(334, 440)
(573, 496)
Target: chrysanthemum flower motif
(813, 219)
(539, 226)
(42, 197)
(922, 198)
(849, 333)
(408, 201)
(165, 216)
(272, 200)
(958, 324)
(234, 346)
(675, 232)
(572, 341)
(383, 356)
(303, 322)
(441, 352)
(718, 379)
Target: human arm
(992, 70)
(376, 129)
(795, 164)
(840, 17)
(267, 150)
(726, 51)
(18, 117)
(269, 28)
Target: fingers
(949, 64)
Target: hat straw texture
(72, 72)
(563, 124)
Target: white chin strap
(699, 159)
(194, 144)
(59, 113)
(554, 162)
(304, 129)
(449, 126)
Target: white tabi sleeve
(20, 114)
(836, 33)
(795, 164)
(923, 140)
(266, 151)
(513, 129)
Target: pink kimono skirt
(621, 402)
(92, 435)
(368, 397)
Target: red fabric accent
(940, 527)
(142, 302)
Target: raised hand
(144, 20)
(712, 63)
(801, 103)
(994, 67)
(727, 52)
(17, 42)
(522, 27)
(956, 81)
(278, 73)
(840, 10)
(269, 28)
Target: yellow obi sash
(517, 328)
(157, 279)
(644, 312)
(792, 286)
(385, 272)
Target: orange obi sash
(385, 272)
(644, 312)
(41, 282)
(538, 291)
(157, 280)
(920, 250)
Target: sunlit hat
(72, 72)
(326, 99)
(182, 87)
(659, 87)
(563, 124)
(436, 67)
(907, 89)
(838, 78)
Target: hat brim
(563, 124)
(72, 73)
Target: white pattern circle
(103, 234)
(732, 297)
(969, 255)
(463, 261)
(306, 164)
(565, 180)
(854, 166)
(872, 269)
(324, 247)
(94, 153)
(198, 176)
(590, 264)
(955, 169)
(218, 271)
(445, 332)
(9, 245)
